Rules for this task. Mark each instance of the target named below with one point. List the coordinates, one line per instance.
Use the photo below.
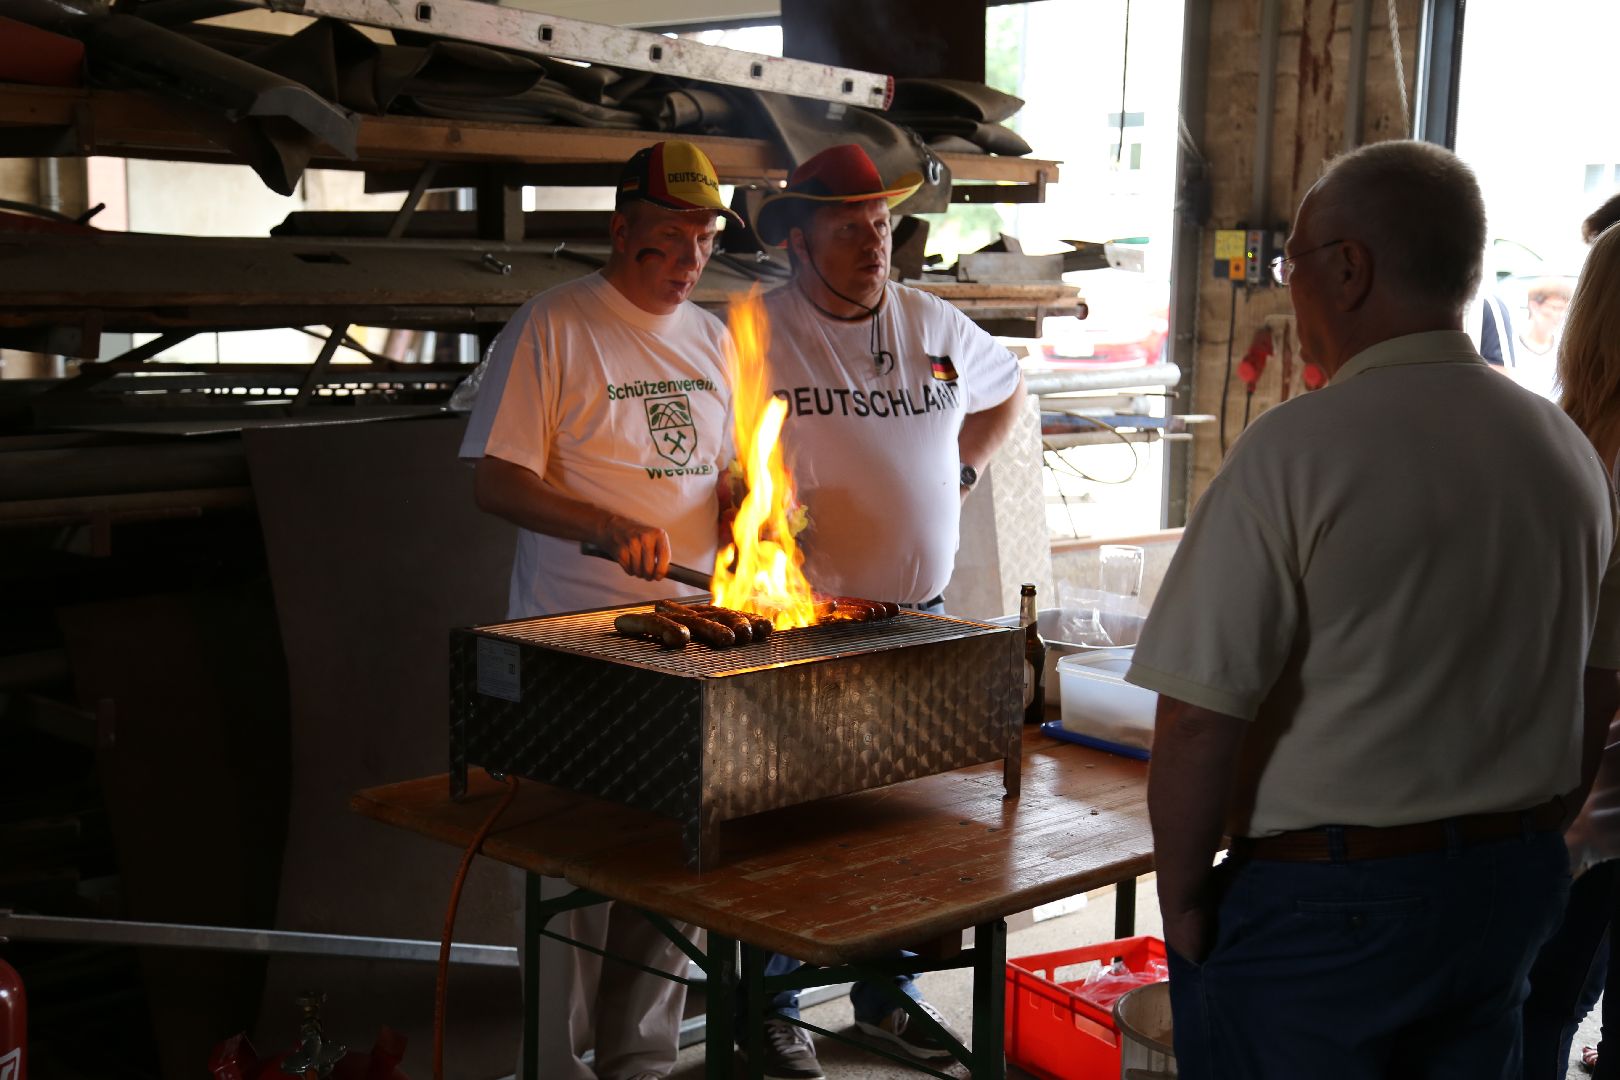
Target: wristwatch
(970, 476)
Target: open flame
(759, 571)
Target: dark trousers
(1569, 974)
(870, 1002)
(1381, 968)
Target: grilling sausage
(874, 609)
(651, 627)
(736, 621)
(715, 635)
(762, 626)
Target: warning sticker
(498, 670)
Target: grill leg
(702, 840)
(1012, 766)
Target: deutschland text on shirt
(842, 401)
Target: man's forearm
(1189, 785)
(515, 493)
(983, 432)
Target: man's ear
(619, 231)
(1353, 273)
(796, 244)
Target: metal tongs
(684, 575)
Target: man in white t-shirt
(896, 401)
(604, 417)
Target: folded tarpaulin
(34, 55)
(271, 122)
(337, 61)
(991, 138)
(955, 97)
(545, 104)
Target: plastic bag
(465, 395)
(1112, 981)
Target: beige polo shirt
(1396, 579)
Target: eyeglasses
(1282, 269)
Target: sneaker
(789, 1051)
(898, 1029)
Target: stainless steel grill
(705, 736)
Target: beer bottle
(1034, 658)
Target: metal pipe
(1187, 266)
(1355, 96)
(239, 939)
(1265, 111)
(1044, 383)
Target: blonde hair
(1589, 354)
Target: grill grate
(591, 634)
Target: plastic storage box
(1101, 707)
(1050, 621)
(1053, 1032)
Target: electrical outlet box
(1256, 258)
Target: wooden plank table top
(837, 880)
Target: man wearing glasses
(1346, 686)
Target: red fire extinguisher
(13, 1025)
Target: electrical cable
(1124, 70)
(882, 359)
(1226, 383)
(1075, 470)
(441, 983)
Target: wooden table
(841, 883)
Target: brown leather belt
(1370, 842)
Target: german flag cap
(676, 176)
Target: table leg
(1125, 908)
(720, 1009)
(752, 1037)
(989, 1001)
(531, 977)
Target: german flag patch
(942, 368)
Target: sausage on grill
(714, 634)
(874, 609)
(651, 627)
(738, 623)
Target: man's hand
(1188, 932)
(642, 550)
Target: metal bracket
(512, 28)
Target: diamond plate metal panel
(705, 736)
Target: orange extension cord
(441, 985)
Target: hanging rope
(1124, 70)
(1400, 70)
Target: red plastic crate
(1054, 1033)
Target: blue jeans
(871, 1003)
(1570, 973)
(1370, 969)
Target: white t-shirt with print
(872, 443)
(617, 407)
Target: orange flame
(760, 570)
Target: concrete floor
(951, 991)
